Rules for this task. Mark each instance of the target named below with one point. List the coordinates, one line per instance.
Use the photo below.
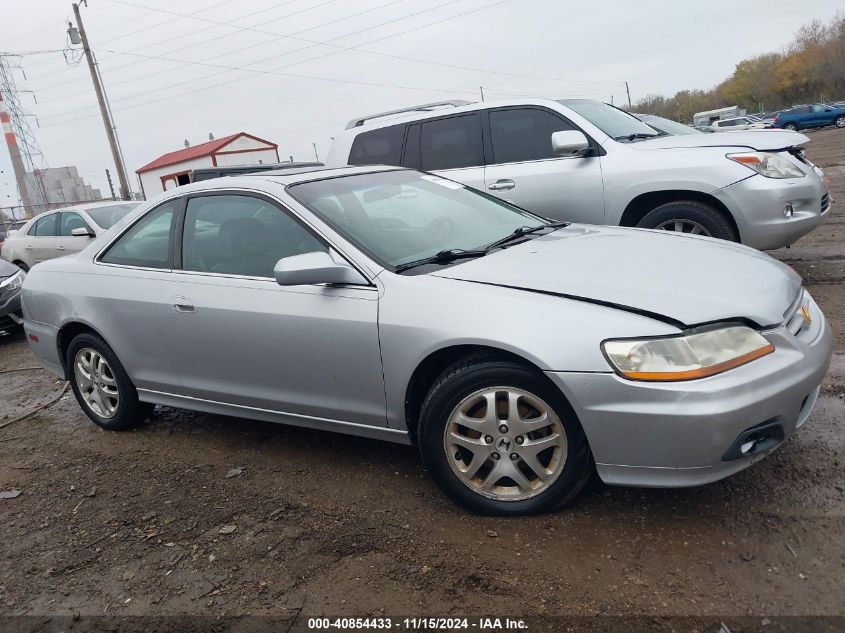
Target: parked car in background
(61, 232)
(810, 116)
(738, 123)
(666, 125)
(11, 281)
(706, 129)
(206, 173)
(519, 354)
(582, 160)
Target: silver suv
(585, 161)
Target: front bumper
(677, 434)
(757, 204)
(10, 309)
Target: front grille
(825, 202)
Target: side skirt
(267, 415)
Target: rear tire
(791, 126)
(840, 121)
(690, 217)
(473, 464)
(101, 385)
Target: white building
(174, 169)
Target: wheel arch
(430, 367)
(642, 204)
(67, 333)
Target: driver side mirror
(82, 232)
(569, 143)
(317, 267)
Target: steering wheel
(441, 227)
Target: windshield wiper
(522, 231)
(443, 257)
(636, 135)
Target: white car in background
(739, 123)
(61, 232)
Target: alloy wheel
(96, 382)
(505, 443)
(683, 226)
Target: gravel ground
(148, 522)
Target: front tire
(101, 385)
(690, 217)
(499, 439)
(840, 121)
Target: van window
(378, 147)
(452, 143)
(521, 134)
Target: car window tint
(452, 143)
(524, 134)
(45, 227)
(149, 242)
(106, 217)
(379, 147)
(241, 235)
(411, 158)
(70, 221)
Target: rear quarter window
(378, 147)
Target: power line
(276, 71)
(248, 15)
(272, 57)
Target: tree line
(810, 69)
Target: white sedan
(61, 232)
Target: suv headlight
(768, 164)
(12, 283)
(688, 356)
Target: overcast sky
(170, 78)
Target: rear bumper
(679, 434)
(44, 345)
(757, 204)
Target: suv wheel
(691, 217)
(840, 121)
(791, 126)
(499, 439)
(101, 385)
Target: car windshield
(617, 124)
(397, 217)
(106, 217)
(667, 125)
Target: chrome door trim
(268, 415)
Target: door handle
(183, 305)
(503, 184)
(60, 248)
(28, 247)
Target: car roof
(85, 206)
(284, 177)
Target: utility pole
(628, 90)
(481, 88)
(17, 162)
(111, 186)
(104, 111)
(316, 155)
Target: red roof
(197, 151)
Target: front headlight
(14, 282)
(768, 164)
(686, 357)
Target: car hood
(685, 280)
(761, 140)
(7, 269)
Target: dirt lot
(130, 524)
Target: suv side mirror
(317, 267)
(569, 143)
(82, 232)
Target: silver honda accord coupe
(520, 355)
